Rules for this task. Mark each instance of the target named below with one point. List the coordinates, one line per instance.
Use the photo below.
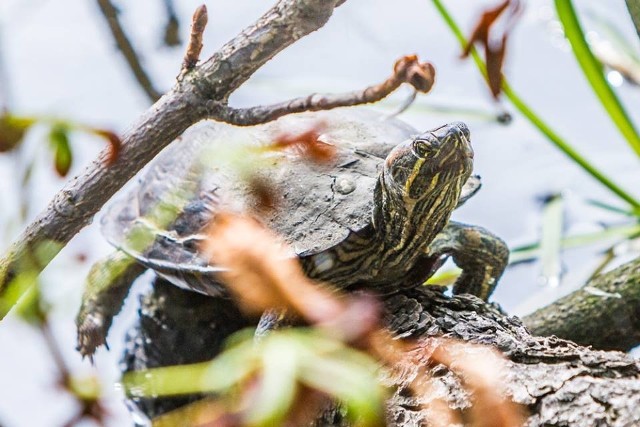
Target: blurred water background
(58, 59)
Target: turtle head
(421, 166)
(421, 181)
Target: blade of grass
(551, 240)
(610, 208)
(593, 71)
(532, 251)
(634, 11)
(545, 129)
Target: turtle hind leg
(481, 255)
(106, 288)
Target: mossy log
(605, 313)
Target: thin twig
(88, 407)
(172, 27)
(198, 24)
(55, 352)
(420, 75)
(110, 13)
(408, 102)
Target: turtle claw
(481, 255)
(92, 333)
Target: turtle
(376, 216)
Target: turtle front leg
(106, 288)
(481, 255)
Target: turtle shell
(160, 221)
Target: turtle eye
(423, 148)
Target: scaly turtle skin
(376, 217)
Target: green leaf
(279, 362)
(59, 138)
(228, 369)
(18, 287)
(29, 305)
(351, 377)
(444, 278)
(12, 130)
(278, 382)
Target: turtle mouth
(467, 149)
(463, 134)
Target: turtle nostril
(462, 129)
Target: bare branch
(110, 13)
(420, 75)
(198, 24)
(187, 103)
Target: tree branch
(110, 13)
(188, 102)
(406, 70)
(605, 313)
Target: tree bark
(561, 383)
(605, 313)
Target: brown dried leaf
(420, 75)
(307, 405)
(263, 273)
(481, 369)
(263, 193)
(209, 412)
(405, 357)
(115, 144)
(306, 144)
(494, 46)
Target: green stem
(545, 129)
(593, 71)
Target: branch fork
(203, 95)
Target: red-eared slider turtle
(375, 217)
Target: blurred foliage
(271, 373)
(62, 157)
(13, 130)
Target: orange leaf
(306, 144)
(115, 144)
